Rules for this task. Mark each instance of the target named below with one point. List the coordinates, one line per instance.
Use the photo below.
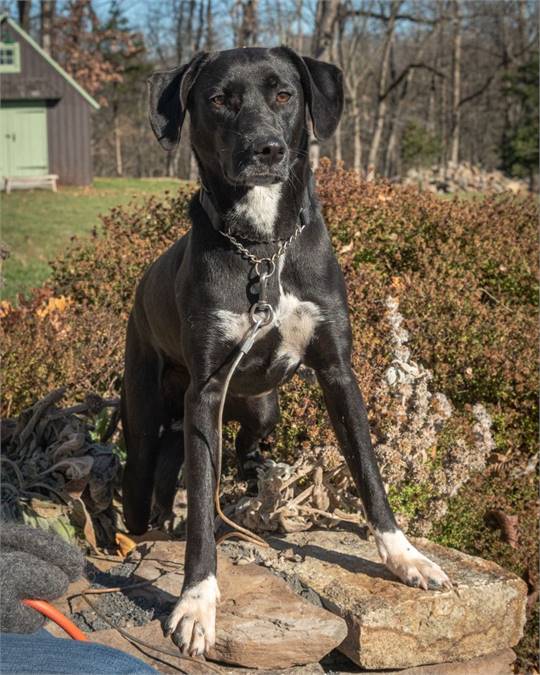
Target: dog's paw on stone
(192, 623)
(408, 564)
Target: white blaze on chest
(260, 207)
(295, 319)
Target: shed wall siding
(68, 114)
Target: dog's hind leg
(258, 416)
(142, 418)
(171, 448)
(169, 462)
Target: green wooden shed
(45, 116)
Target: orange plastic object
(54, 615)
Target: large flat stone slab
(173, 662)
(393, 626)
(261, 622)
(498, 663)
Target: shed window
(10, 60)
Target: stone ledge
(392, 626)
(261, 623)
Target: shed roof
(50, 61)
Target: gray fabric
(36, 565)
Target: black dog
(192, 309)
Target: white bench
(11, 182)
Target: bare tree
(404, 81)
(247, 33)
(456, 82)
(427, 77)
(23, 10)
(354, 75)
(325, 22)
(382, 93)
(47, 24)
(209, 27)
(326, 17)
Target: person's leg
(43, 654)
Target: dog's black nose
(269, 150)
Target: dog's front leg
(193, 619)
(348, 414)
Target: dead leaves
(54, 470)
(509, 525)
(125, 544)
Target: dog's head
(247, 108)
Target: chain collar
(269, 261)
(258, 263)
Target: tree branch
(399, 17)
(405, 72)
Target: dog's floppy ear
(168, 92)
(323, 89)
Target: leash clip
(262, 313)
(264, 275)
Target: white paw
(192, 622)
(408, 564)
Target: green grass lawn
(36, 225)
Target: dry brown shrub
(464, 273)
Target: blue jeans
(43, 654)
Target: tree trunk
(299, 26)
(325, 21)
(444, 125)
(338, 148)
(180, 33)
(117, 142)
(248, 30)
(193, 168)
(189, 29)
(357, 155)
(172, 163)
(456, 83)
(47, 17)
(327, 11)
(200, 29)
(23, 9)
(209, 27)
(382, 103)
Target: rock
(499, 663)
(309, 669)
(64, 605)
(153, 634)
(261, 622)
(463, 177)
(393, 626)
(173, 662)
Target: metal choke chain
(262, 311)
(261, 314)
(279, 251)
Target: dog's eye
(218, 100)
(282, 97)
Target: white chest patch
(260, 207)
(296, 321)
